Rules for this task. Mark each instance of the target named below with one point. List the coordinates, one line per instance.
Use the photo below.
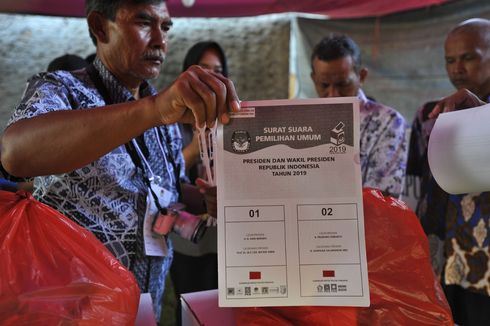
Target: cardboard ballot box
(145, 316)
(201, 309)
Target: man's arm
(419, 137)
(387, 159)
(61, 141)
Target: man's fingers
(202, 184)
(192, 101)
(207, 92)
(207, 95)
(435, 111)
(448, 106)
(218, 94)
(462, 99)
(215, 84)
(232, 101)
(188, 117)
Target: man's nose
(159, 38)
(332, 92)
(458, 66)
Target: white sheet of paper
(458, 150)
(290, 214)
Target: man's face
(137, 42)
(468, 62)
(335, 78)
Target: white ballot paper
(290, 214)
(458, 150)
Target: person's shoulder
(47, 91)
(383, 110)
(74, 76)
(59, 77)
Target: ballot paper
(459, 152)
(290, 214)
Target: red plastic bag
(403, 288)
(54, 272)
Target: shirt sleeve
(419, 139)
(414, 151)
(387, 159)
(44, 93)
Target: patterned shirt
(457, 226)
(383, 146)
(107, 196)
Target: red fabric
(236, 8)
(54, 272)
(331, 8)
(402, 285)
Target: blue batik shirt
(107, 196)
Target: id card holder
(155, 245)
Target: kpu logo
(240, 141)
(337, 135)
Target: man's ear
(363, 73)
(98, 26)
(312, 75)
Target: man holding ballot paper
(456, 223)
(103, 144)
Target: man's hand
(462, 99)
(209, 193)
(197, 97)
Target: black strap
(94, 75)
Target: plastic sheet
(403, 288)
(457, 150)
(54, 272)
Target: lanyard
(207, 148)
(137, 148)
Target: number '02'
(327, 211)
(253, 213)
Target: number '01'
(253, 213)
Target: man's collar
(362, 97)
(117, 91)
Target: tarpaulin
(236, 8)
